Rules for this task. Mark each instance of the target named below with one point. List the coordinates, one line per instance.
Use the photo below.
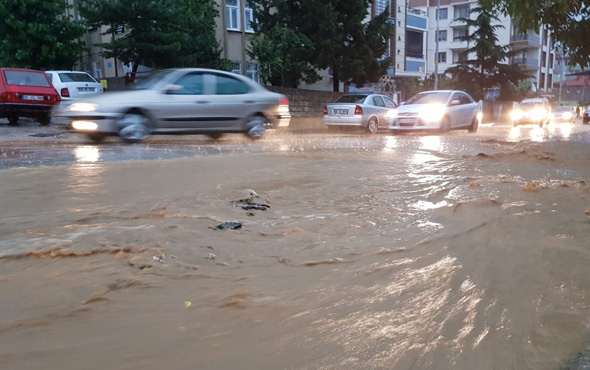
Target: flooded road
(389, 252)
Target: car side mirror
(455, 102)
(172, 89)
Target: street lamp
(436, 48)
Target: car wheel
(13, 120)
(474, 125)
(96, 138)
(44, 119)
(255, 127)
(134, 127)
(445, 125)
(372, 126)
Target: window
(414, 44)
(389, 103)
(442, 35)
(462, 11)
(252, 71)
(378, 101)
(192, 84)
(97, 69)
(232, 14)
(225, 85)
(442, 57)
(75, 77)
(460, 34)
(444, 13)
(26, 78)
(236, 67)
(248, 19)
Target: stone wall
(306, 103)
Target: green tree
(159, 33)
(569, 21)
(38, 34)
(488, 70)
(333, 35)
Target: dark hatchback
(26, 93)
(586, 115)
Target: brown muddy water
(400, 258)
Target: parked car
(563, 114)
(74, 84)
(586, 115)
(369, 111)
(535, 110)
(180, 101)
(439, 110)
(26, 93)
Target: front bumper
(24, 110)
(412, 124)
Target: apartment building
(538, 56)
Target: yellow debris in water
(531, 186)
(587, 212)
(474, 185)
(187, 304)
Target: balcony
(526, 40)
(528, 64)
(417, 19)
(457, 44)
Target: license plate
(86, 89)
(32, 97)
(406, 120)
(340, 111)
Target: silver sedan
(186, 100)
(369, 111)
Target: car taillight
(325, 110)
(5, 97)
(358, 111)
(65, 92)
(284, 102)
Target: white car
(180, 101)
(369, 111)
(74, 84)
(534, 110)
(439, 110)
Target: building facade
(538, 50)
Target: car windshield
(430, 98)
(26, 78)
(152, 81)
(351, 99)
(76, 77)
(530, 106)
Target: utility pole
(436, 48)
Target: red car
(26, 93)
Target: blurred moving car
(534, 110)
(369, 111)
(440, 110)
(180, 101)
(26, 93)
(74, 84)
(586, 115)
(563, 114)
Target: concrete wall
(306, 103)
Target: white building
(538, 60)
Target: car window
(76, 77)
(226, 85)
(378, 101)
(389, 103)
(358, 99)
(429, 98)
(50, 75)
(191, 84)
(457, 96)
(26, 78)
(465, 99)
(153, 80)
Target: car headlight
(515, 115)
(82, 107)
(432, 113)
(392, 113)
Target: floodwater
(421, 252)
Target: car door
(184, 104)
(231, 103)
(454, 110)
(469, 109)
(380, 110)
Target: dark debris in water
(250, 206)
(229, 225)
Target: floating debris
(530, 187)
(159, 259)
(211, 256)
(229, 225)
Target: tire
(474, 125)
(44, 120)
(13, 120)
(445, 125)
(134, 127)
(255, 127)
(96, 138)
(372, 126)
